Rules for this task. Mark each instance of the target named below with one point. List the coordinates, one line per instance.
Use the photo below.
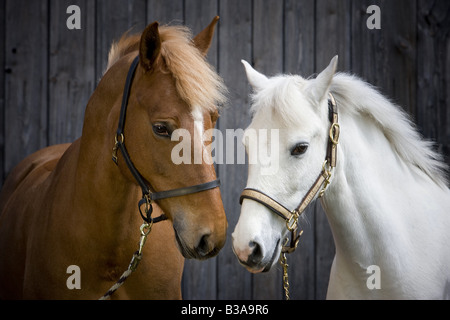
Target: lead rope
(137, 256)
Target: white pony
(388, 203)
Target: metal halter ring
(334, 133)
(121, 138)
(148, 208)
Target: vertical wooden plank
(299, 59)
(72, 69)
(299, 36)
(386, 57)
(2, 90)
(366, 62)
(333, 33)
(268, 36)
(114, 18)
(165, 12)
(26, 44)
(268, 59)
(433, 66)
(200, 277)
(324, 251)
(235, 40)
(444, 138)
(332, 37)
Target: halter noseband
(319, 186)
(147, 195)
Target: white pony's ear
(321, 84)
(257, 80)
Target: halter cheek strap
(148, 196)
(319, 186)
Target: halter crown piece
(319, 187)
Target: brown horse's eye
(161, 130)
(299, 149)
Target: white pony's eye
(299, 149)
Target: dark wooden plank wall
(48, 73)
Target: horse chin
(262, 269)
(184, 249)
(255, 270)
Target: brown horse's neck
(102, 191)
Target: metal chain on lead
(283, 262)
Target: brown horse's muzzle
(202, 243)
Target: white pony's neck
(361, 98)
(388, 204)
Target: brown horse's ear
(203, 40)
(150, 46)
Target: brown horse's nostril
(203, 247)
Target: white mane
(357, 96)
(279, 97)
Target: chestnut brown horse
(71, 205)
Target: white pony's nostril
(256, 256)
(242, 252)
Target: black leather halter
(148, 194)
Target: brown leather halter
(319, 186)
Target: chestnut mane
(197, 82)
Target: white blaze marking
(198, 136)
